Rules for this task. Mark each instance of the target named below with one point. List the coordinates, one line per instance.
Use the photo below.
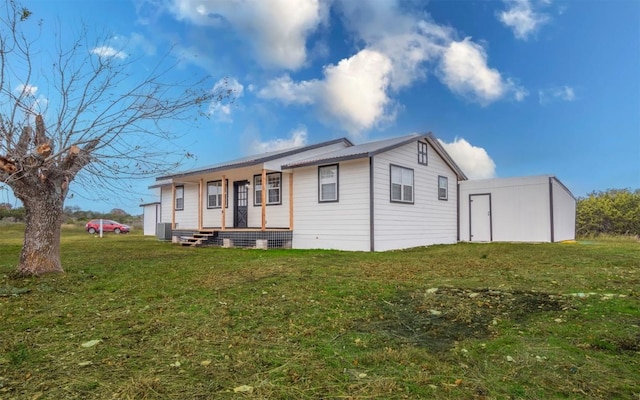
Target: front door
(241, 204)
(480, 218)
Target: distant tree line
(614, 211)
(72, 215)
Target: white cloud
(397, 47)
(108, 52)
(28, 90)
(464, 70)
(519, 92)
(521, 17)
(409, 41)
(415, 44)
(474, 161)
(277, 29)
(221, 109)
(298, 138)
(287, 91)
(35, 103)
(563, 93)
(353, 92)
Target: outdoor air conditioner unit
(163, 231)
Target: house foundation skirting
(274, 239)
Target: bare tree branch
(97, 120)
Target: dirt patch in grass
(439, 317)
(615, 345)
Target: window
(328, 183)
(422, 153)
(179, 198)
(214, 194)
(274, 181)
(401, 184)
(443, 188)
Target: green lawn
(474, 321)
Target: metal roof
(351, 152)
(370, 149)
(252, 159)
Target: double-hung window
(328, 183)
(214, 195)
(422, 153)
(273, 188)
(401, 184)
(443, 188)
(179, 198)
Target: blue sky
(514, 87)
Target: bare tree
(96, 122)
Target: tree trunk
(41, 250)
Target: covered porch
(243, 207)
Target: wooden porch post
(200, 202)
(264, 199)
(224, 202)
(291, 201)
(173, 205)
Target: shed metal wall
(521, 209)
(564, 212)
(428, 220)
(150, 218)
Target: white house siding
(427, 221)
(564, 212)
(187, 218)
(342, 225)
(277, 215)
(166, 204)
(520, 208)
(212, 217)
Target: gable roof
(351, 152)
(253, 159)
(370, 149)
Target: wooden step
(197, 238)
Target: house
(390, 194)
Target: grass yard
(134, 318)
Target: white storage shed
(150, 218)
(522, 209)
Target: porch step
(197, 238)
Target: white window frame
(327, 181)
(179, 205)
(274, 189)
(405, 181)
(423, 152)
(443, 188)
(217, 197)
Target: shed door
(241, 196)
(480, 217)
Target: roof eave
(433, 140)
(256, 161)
